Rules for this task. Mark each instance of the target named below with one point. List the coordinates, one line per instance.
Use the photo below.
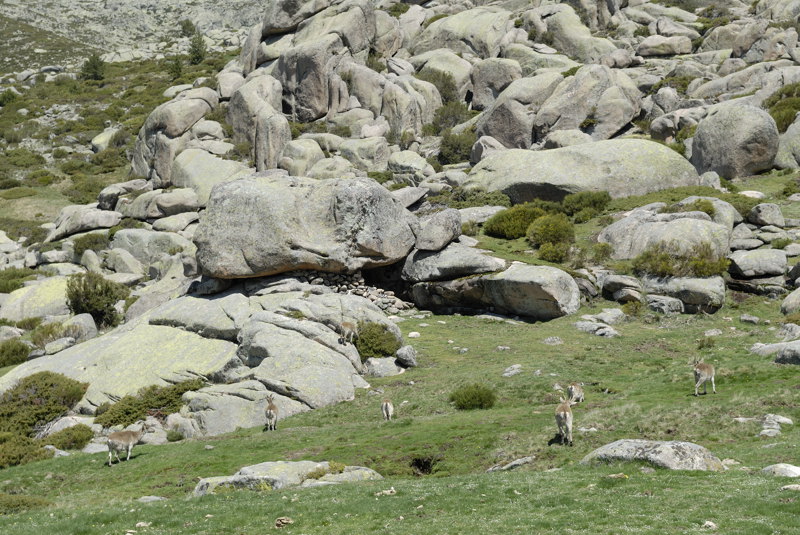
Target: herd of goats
(124, 441)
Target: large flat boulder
(201, 171)
(263, 226)
(131, 357)
(476, 32)
(44, 298)
(673, 455)
(623, 167)
(678, 233)
(452, 262)
(539, 292)
(82, 218)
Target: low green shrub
(554, 252)
(125, 223)
(783, 105)
(470, 228)
(551, 228)
(781, 243)
(375, 340)
(17, 193)
(601, 252)
(698, 205)
(341, 130)
(13, 352)
(449, 115)
(398, 9)
(513, 222)
(660, 260)
(434, 19)
(174, 435)
(45, 333)
(187, 28)
(679, 83)
(459, 197)
(456, 148)
(14, 278)
(7, 97)
(11, 504)
(75, 166)
(444, 82)
(473, 396)
(23, 158)
(633, 308)
(380, 176)
(9, 183)
(36, 400)
(71, 438)
(707, 342)
(160, 400)
(94, 241)
(29, 324)
(110, 159)
(16, 449)
(375, 61)
(92, 293)
(577, 202)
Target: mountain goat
(702, 373)
(348, 331)
(575, 392)
(564, 420)
(387, 409)
(124, 441)
(271, 413)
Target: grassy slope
(33, 47)
(639, 386)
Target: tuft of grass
(154, 400)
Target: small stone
(791, 487)
(712, 332)
(502, 348)
(512, 370)
(553, 340)
(747, 318)
(709, 525)
(209, 447)
(414, 334)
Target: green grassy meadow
(639, 385)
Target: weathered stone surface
(293, 364)
(539, 292)
(622, 167)
(734, 141)
(571, 37)
(304, 73)
(257, 226)
(215, 317)
(201, 171)
(766, 214)
(382, 367)
(452, 262)
(407, 356)
(788, 156)
(81, 218)
(596, 99)
(45, 298)
(275, 475)
(758, 263)
(475, 31)
(163, 355)
(410, 167)
(791, 303)
(782, 470)
(660, 45)
(370, 154)
(159, 139)
(439, 229)
(284, 16)
(300, 155)
(148, 246)
(677, 233)
(673, 455)
(218, 409)
(490, 77)
(788, 353)
(108, 196)
(510, 117)
(409, 103)
(697, 294)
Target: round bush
(553, 228)
(36, 400)
(513, 222)
(71, 438)
(375, 340)
(474, 396)
(16, 449)
(13, 352)
(554, 252)
(92, 293)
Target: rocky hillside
(355, 164)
